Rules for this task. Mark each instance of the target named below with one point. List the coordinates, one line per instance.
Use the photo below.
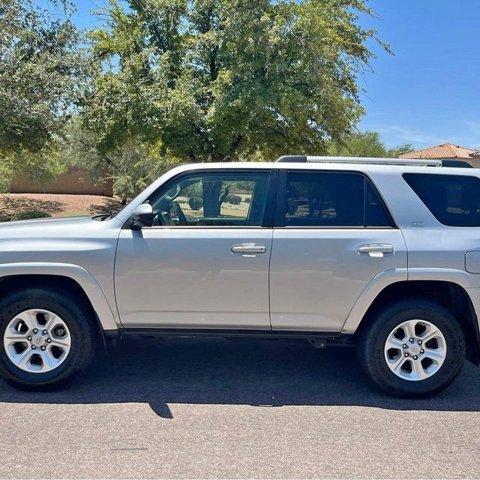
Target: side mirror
(142, 217)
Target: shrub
(195, 203)
(29, 214)
(234, 199)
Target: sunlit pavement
(236, 408)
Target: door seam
(268, 282)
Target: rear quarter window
(454, 200)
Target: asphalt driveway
(237, 409)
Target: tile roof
(446, 150)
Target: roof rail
(414, 162)
(293, 158)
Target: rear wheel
(412, 349)
(47, 338)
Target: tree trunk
(211, 199)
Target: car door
(204, 262)
(332, 236)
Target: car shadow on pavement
(263, 373)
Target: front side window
(213, 199)
(454, 200)
(328, 199)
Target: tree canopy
(365, 144)
(42, 71)
(162, 82)
(224, 80)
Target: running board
(317, 339)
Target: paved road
(238, 409)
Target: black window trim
(282, 192)
(268, 213)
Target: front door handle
(248, 248)
(376, 249)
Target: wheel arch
(72, 278)
(454, 297)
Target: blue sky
(428, 92)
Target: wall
(75, 180)
(473, 161)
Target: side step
(317, 339)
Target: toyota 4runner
(382, 254)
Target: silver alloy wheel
(415, 350)
(37, 341)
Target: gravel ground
(237, 409)
(56, 205)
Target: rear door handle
(248, 248)
(376, 249)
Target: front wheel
(47, 338)
(412, 349)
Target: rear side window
(330, 199)
(454, 200)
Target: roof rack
(414, 162)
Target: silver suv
(379, 254)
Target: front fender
(79, 274)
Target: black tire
(77, 318)
(372, 339)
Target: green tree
(42, 71)
(401, 149)
(365, 144)
(225, 80)
(132, 164)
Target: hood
(64, 240)
(44, 226)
